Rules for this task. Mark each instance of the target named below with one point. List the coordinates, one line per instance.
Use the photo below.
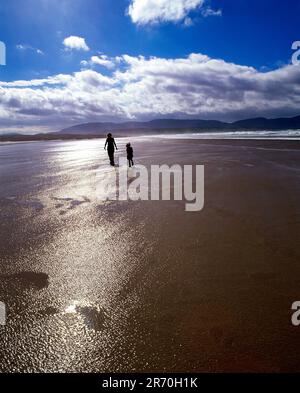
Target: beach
(144, 286)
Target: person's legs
(111, 157)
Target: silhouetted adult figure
(111, 145)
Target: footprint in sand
(69, 203)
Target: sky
(77, 61)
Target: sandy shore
(146, 286)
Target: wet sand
(146, 286)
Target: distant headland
(158, 126)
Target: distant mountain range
(94, 130)
(259, 123)
(159, 124)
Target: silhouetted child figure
(129, 150)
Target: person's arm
(105, 144)
(115, 144)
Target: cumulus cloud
(143, 88)
(152, 11)
(54, 80)
(101, 60)
(75, 43)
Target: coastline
(209, 291)
(210, 133)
